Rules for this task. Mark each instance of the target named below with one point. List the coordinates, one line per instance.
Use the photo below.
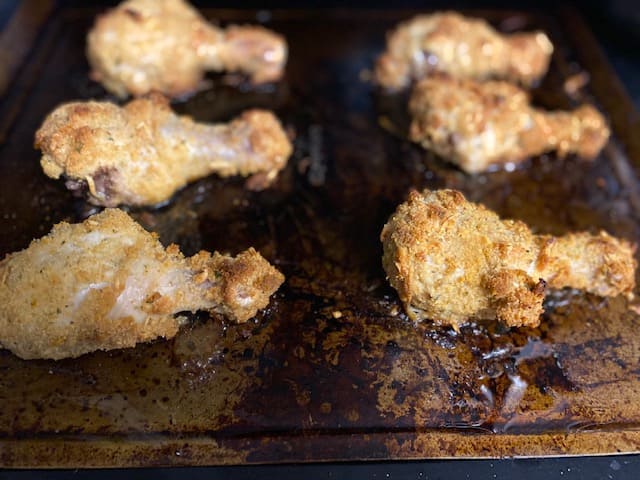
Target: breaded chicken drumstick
(140, 154)
(107, 283)
(462, 47)
(482, 125)
(167, 46)
(452, 260)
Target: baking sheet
(332, 370)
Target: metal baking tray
(332, 370)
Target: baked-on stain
(304, 385)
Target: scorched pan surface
(332, 370)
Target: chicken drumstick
(462, 47)
(166, 46)
(452, 260)
(107, 283)
(140, 154)
(479, 125)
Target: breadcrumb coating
(463, 47)
(142, 153)
(452, 261)
(107, 283)
(480, 125)
(166, 46)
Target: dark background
(616, 24)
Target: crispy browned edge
(60, 452)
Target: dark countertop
(614, 24)
(579, 468)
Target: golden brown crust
(107, 283)
(167, 46)
(462, 47)
(516, 297)
(243, 284)
(451, 261)
(140, 154)
(601, 264)
(479, 125)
